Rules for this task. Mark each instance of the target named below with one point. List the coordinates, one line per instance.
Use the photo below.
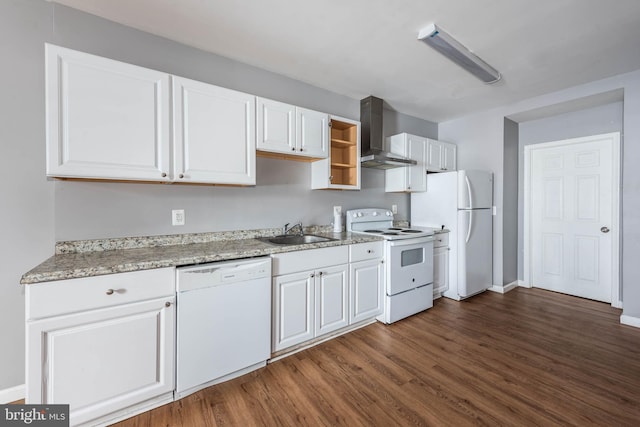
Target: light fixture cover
(455, 51)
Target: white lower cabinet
(366, 280)
(440, 264)
(332, 296)
(293, 299)
(105, 355)
(309, 304)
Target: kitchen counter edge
(97, 263)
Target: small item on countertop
(442, 228)
(337, 223)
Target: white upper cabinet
(276, 123)
(411, 178)
(111, 120)
(291, 130)
(105, 119)
(441, 156)
(312, 130)
(214, 134)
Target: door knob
(604, 229)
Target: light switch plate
(337, 210)
(394, 209)
(495, 211)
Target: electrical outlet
(177, 217)
(337, 210)
(394, 209)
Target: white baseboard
(506, 288)
(12, 394)
(631, 321)
(616, 304)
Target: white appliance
(408, 254)
(223, 322)
(462, 201)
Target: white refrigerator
(462, 201)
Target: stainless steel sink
(295, 239)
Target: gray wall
(591, 121)
(510, 200)
(37, 211)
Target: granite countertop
(108, 256)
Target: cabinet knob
(110, 291)
(167, 304)
(293, 148)
(330, 177)
(369, 251)
(301, 149)
(164, 175)
(321, 273)
(181, 176)
(312, 275)
(381, 261)
(116, 291)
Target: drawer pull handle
(117, 291)
(167, 304)
(110, 291)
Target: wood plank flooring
(529, 357)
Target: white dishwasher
(223, 322)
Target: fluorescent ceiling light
(455, 51)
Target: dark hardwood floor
(529, 357)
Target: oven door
(409, 264)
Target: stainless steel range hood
(372, 143)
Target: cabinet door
(440, 270)
(276, 123)
(366, 280)
(332, 296)
(448, 157)
(105, 119)
(434, 154)
(293, 309)
(312, 129)
(101, 361)
(416, 175)
(214, 134)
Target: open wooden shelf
(344, 155)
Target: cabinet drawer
(73, 295)
(364, 251)
(292, 262)
(441, 239)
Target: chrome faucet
(287, 230)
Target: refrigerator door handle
(466, 178)
(470, 225)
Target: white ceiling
(369, 47)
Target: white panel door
(276, 125)
(214, 134)
(571, 213)
(312, 129)
(332, 296)
(293, 309)
(366, 280)
(105, 119)
(101, 361)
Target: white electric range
(408, 261)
